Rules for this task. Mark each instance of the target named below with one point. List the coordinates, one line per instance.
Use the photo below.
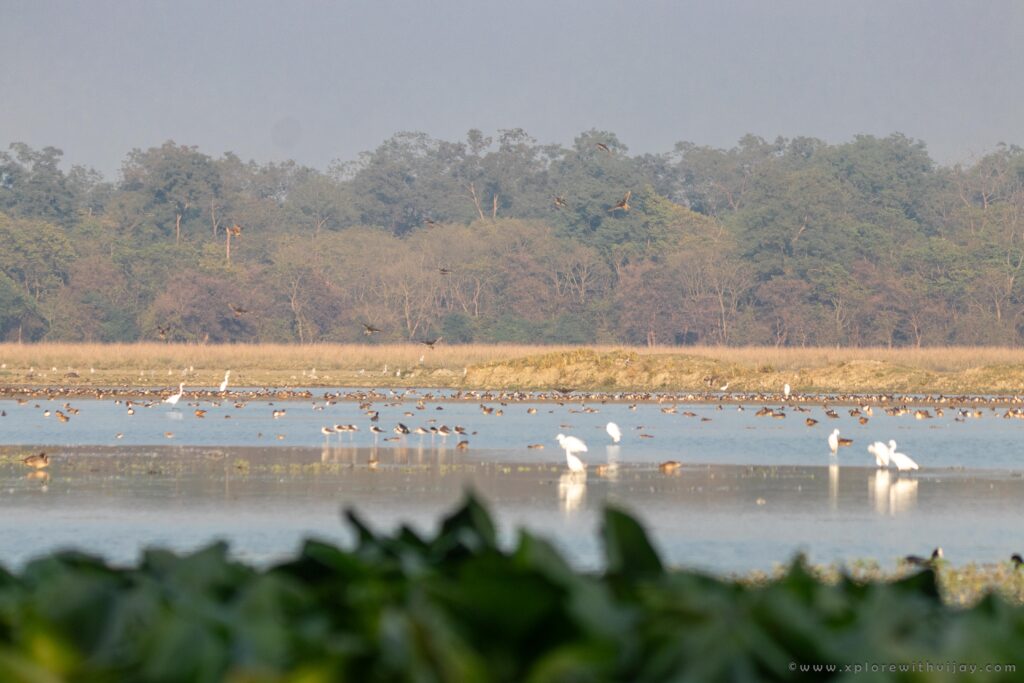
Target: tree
(175, 182)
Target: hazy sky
(317, 81)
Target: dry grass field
(956, 369)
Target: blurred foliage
(458, 607)
(497, 238)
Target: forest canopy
(502, 239)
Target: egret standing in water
(785, 390)
(174, 398)
(881, 453)
(572, 446)
(902, 461)
(614, 432)
(835, 441)
(224, 385)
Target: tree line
(502, 239)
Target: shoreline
(434, 394)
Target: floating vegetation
(459, 607)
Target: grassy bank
(947, 370)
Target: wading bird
(881, 453)
(902, 461)
(614, 431)
(37, 461)
(224, 385)
(572, 446)
(918, 561)
(174, 398)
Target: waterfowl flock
(813, 409)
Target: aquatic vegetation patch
(459, 607)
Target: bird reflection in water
(892, 497)
(902, 496)
(833, 486)
(611, 470)
(881, 482)
(572, 490)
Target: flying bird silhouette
(603, 147)
(623, 203)
(430, 342)
(239, 311)
(560, 202)
(370, 329)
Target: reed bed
(445, 365)
(148, 354)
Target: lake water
(752, 492)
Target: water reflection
(611, 470)
(892, 497)
(572, 490)
(833, 486)
(902, 496)
(879, 491)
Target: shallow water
(713, 436)
(263, 501)
(752, 492)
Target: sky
(321, 81)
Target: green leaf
(628, 552)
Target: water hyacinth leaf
(469, 527)
(456, 607)
(628, 552)
(17, 668)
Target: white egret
(173, 399)
(572, 446)
(785, 390)
(224, 385)
(833, 441)
(881, 453)
(613, 431)
(902, 461)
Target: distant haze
(317, 81)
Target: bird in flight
(444, 271)
(560, 202)
(235, 230)
(370, 329)
(623, 203)
(162, 331)
(603, 147)
(430, 342)
(429, 221)
(239, 311)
